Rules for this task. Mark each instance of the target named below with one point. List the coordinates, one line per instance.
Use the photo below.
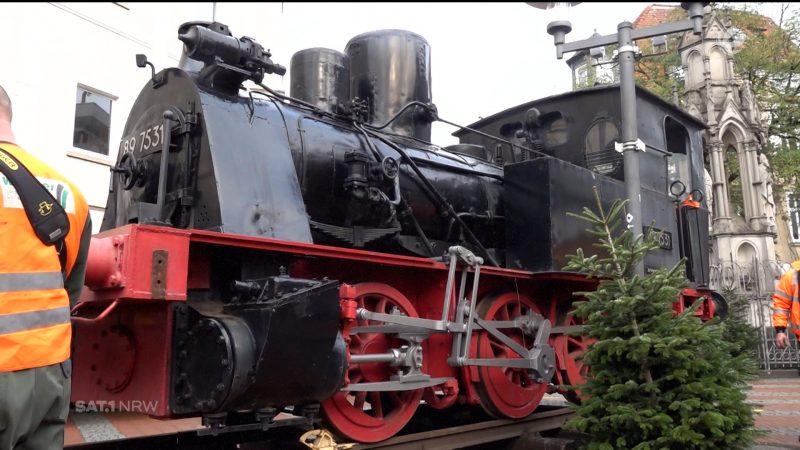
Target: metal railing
(756, 282)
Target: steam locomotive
(316, 253)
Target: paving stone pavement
(777, 396)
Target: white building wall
(51, 48)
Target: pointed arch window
(794, 217)
(733, 173)
(719, 64)
(696, 70)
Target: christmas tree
(658, 380)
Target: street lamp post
(624, 38)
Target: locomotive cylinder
(389, 69)
(320, 76)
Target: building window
(794, 218)
(92, 120)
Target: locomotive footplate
(275, 344)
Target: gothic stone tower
(740, 191)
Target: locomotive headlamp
(206, 45)
(228, 61)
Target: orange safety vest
(35, 328)
(786, 299)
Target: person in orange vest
(786, 304)
(39, 282)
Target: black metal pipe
(437, 197)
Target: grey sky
(485, 57)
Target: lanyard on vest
(47, 216)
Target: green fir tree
(658, 380)
(738, 331)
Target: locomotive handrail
(430, 108)
(108, 309)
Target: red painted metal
(110, 374)
(568, 349)
(103, 266)
(442, 396)
(348, 254)
(505, 392)
(199, 276)
(689, 296)
(121, 294)
(132, 248)
(372, 416)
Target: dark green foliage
(743, 336)
(659, 380)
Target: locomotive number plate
(664, 237)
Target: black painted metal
(693, 225)
(540, 234)
(320, 76)
(389, 69)
(263, 168)
(579, 110)
(273, 346)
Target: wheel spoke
(381, 306)
(376, 404)
(360, 398)
(373, 416)
(505, 392)
(503, 313)
(394, 397)
(497, 346)
(516, 310)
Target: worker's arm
(782, 304)
(74, 282)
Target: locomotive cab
(576, 151)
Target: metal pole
(627, 89)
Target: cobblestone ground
(778, 400)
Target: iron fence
(755, 282)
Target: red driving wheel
(379, 415)
(569, 348)
(505, 392)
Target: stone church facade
(739, 182)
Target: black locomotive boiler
(261, 252)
